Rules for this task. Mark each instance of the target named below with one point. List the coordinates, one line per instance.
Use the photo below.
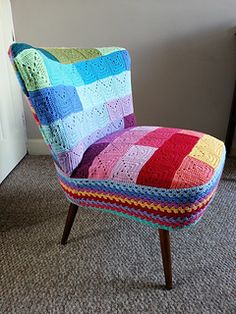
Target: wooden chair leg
(69, 222)
(166, 256)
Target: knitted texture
(77, 96)
(82, 102)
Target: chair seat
(163, 176)
(153, 156)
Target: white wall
(183, 51)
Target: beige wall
(183, 51)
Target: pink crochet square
(157, 137)
(115, 110)
(192, 172)
(128, 167)
(103, 164)
(127, 105)
(120, 107)
(133, 136)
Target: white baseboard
(37, 147)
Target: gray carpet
(110, 264)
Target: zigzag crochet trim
(160, 208)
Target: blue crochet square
(55, 103)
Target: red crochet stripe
(166, 160)
(118, 209)
(148, 210)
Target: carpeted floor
(110, 265)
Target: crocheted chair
(82, 102)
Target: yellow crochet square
(209, 150)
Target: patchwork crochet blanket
(82, 101)
(77, 96)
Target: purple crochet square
(129, 121)
(82, 170)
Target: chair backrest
(77, 96)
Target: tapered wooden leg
(69, 222)
(166, 256)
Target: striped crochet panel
(164, 177)
(77, 96)
(153, 156)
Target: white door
(12, 123)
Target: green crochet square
(32, 69)
(71, 55)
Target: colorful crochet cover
(82, 101)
